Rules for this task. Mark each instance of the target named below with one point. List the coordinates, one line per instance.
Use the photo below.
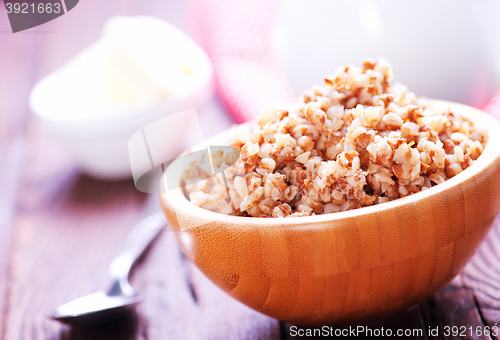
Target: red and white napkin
(493, 108)
(237, 36)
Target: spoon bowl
(98, 305)
(120, 296)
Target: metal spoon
(120, 295)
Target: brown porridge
(357, 141)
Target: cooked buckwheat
(355, 142)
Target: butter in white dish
(140, 70)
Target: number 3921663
(26, 7)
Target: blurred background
(101, 77)
(439, 49)
(60, 226)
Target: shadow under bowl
(353, 266)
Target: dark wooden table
(59, 229)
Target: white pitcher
(444, 49)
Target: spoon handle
(139, 239)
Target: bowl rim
(176, 199)
(50, 84)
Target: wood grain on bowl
(351, 266)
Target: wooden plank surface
(17, 52)
(59, 229)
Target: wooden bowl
(350, 266)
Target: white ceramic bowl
(463, 37)
(99, 142)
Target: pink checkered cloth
(237, 36)
(249, 77)
(493, 108)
